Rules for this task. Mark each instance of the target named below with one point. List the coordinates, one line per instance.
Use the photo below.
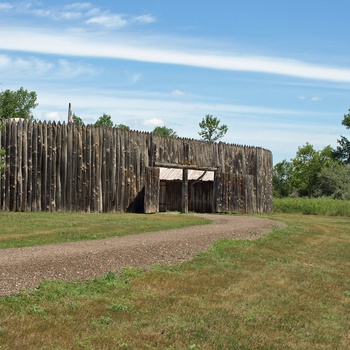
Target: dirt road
(25, 268)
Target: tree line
(316, 173)
(20, 104)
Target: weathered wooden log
(59, 167)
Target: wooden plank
(105, 151)
(184, 206)
(58, 168)
(25, 165)
(19, 160)
(184, 166)
(152, 186)
(2, 175)
(64, 168)
(50, 170)
(87, 169)
(80, 168)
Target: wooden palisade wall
(59, 167)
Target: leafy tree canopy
(17, 104)
(335, 181)
(342, 152)
(307, 166)
(122, 126)
(210, 129)
(105, 120)
(77, 120)
(163, 131)
(282, 179)
(310, 173)
(346, 120)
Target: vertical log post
(184, 207)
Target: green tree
(342, 152)
(335, 181)
(17, 104)
(210, 129)
(282, 179)
(307, 166)
(105, 120)
(122, 126)
(77, 120)
(163, 131)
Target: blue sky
(276, 72)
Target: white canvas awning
(171, 174)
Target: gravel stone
(24, 268)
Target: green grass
(288, 290)
(315, 206)
(30, 229)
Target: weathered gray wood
(183, 166)
(152, 186)
(61, 167)
(184, 206)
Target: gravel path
(25, 268)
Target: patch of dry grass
(289, 290)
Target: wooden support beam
(182, 166)
(184, 207)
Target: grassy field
(288, 290)
(315, 206)
(29, 229)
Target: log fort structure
(60, 167)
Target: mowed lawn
(30, 229)
(288, 290)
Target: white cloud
(33, 66)
(21, 65)
(78, 6)
(72, 69)
(78, 11)
(144, 19)
(132, 48)
(42, 13)
(108, 21)
(52, 117)
(71, 15)
(178, 93)
(5, 6)
(154, 122)
(134, 78)
(313, 98)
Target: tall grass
(288, 290)
(314, 206)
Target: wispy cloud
(144, 19)
(5, 6)
(178, 93)
(108, 21)
(20, 65)
(36, 67)
(313, 98)
(154, 122)
(80, 13)
(157, 51)
(79, 6)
